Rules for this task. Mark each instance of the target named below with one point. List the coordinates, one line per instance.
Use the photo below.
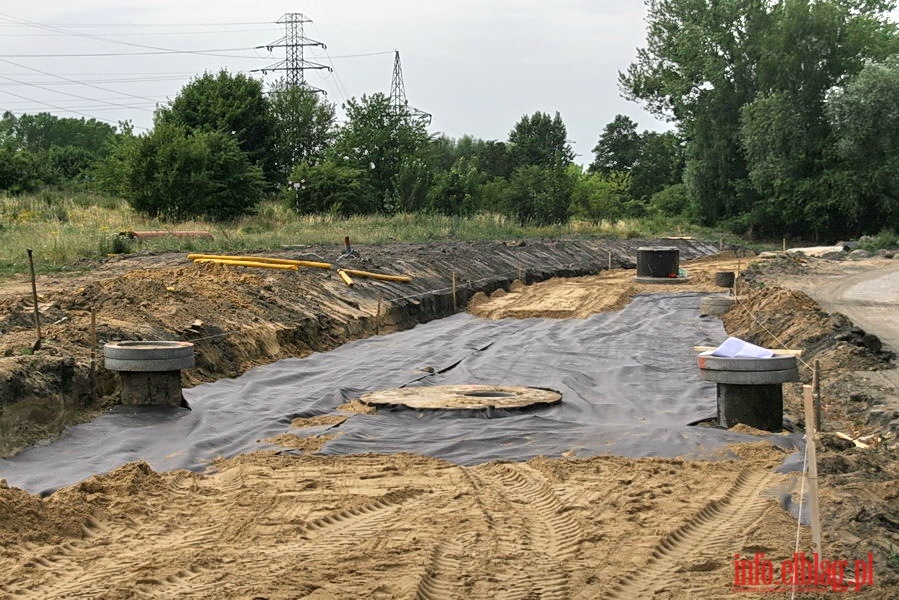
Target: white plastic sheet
(736, 348)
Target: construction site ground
(296, 524)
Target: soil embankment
(286, 524)
(238, 318)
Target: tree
(539, 195)
(379, 141)
(659, 163)
(40, 132)
(19, 171)
(705, 61)
(457, 191)
(811, 47)
(540, 140)
(672, 201)
(697, 69)
(328, 187)
(304, 126)
(176, 173)
(599, 196)
(618, 147)
(865, 121)
(112, 173)
(231, 104)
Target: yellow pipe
(401, 278)
(246, 263)
(280, 261)
(345, 277)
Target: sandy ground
(293, 524)
(270, 525)
(583, 296)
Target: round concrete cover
(778, 362)
(464, 397)
(141, 349)
(148, 356)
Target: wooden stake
(378, 315)
(720, 244)
(454, 292)
(816, 388)
(93, 373)
(610, 260)
(785, 245)
(37, 313)
(808, 400)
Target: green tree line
(784, 121)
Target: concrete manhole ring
(143, 349)
(778, 362)
(148, 356)
(464, 397)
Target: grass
(64, 228)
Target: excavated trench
(240, 318)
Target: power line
(15, 64)
(80, 97)
(23, 23)
(55, 107)
(146, 33)
(210, 52)
(157, 49)
(82, 82)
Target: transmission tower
(398, 103)
(294, 41)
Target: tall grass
(63, 228)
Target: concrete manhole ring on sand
(464, 397)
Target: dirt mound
(775, 317)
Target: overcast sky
(476, 65)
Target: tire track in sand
(530, 538)
(709, 534)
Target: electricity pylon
(398, 103)
(294, 41)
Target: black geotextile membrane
(629, 382)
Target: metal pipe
(346, 278)
(246, 263)
(263, 259)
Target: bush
(331, 188)
(539, 195)
(176, 174)
(19, 171)
(672, 201)
(884, 240)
